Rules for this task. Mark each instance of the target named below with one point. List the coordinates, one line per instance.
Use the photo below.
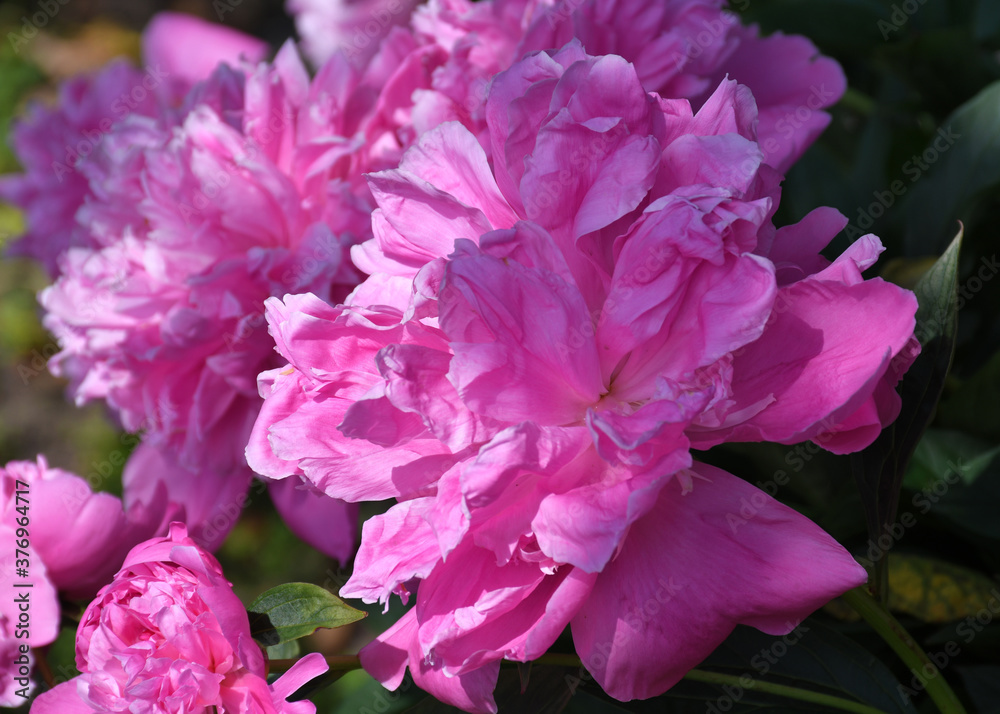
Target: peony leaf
(879, 469)
(941, 451)
(973, 406)
(294, 610)
(963, 162)
(937, 591)
(813, 659)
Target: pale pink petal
(62, 699)
(396, 547)
(188, 48)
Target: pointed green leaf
(962, 160)
(942, 451)
(879, 469)
(295, 610)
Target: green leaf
(941, 451)
(974, 406)
(814, 657)
(879, 469)
(934, 590)
(967, 165)
(294, 610)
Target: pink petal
(63, 699)
(386, 659)
(471, 612)
(208, 502)
(700, 563)
(521, 342)
(187, 48)
(819, 359)
(396, 547)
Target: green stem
(781, 690)
(859, 102)
(903, 644)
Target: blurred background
(919, 72)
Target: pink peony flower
(169, 634)
(680, 49)
(162, 317)
(541, 344)
(58, 537)
(354, 27)
(55, 144)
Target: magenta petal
(187, 48)
(795, 250)
(735, 556)
(208, 502)
(522, 340)
(472, 612)
(818, 360)
(304, 670)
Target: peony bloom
(162, 317)
(71, 541)
(55, 144)
(169, 634)
(540, 346)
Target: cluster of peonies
(168, 634)
(519, 263)
(137, 186)
(542, 342)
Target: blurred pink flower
(542, 341)
(162, 317)
(54, 144)
(61, 538)
(169, 634)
